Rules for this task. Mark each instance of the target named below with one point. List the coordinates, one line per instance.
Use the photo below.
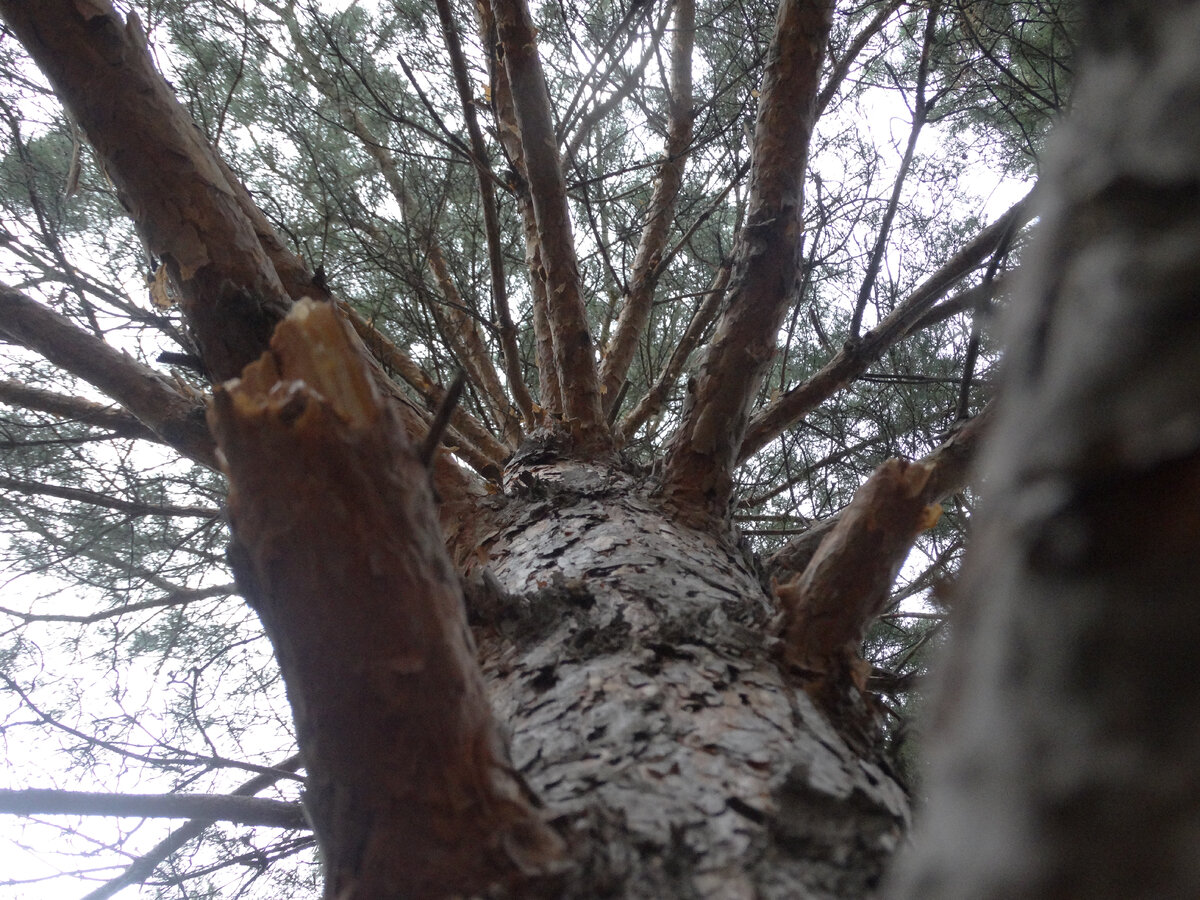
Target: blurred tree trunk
(1065, 744)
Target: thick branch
(853, 359)
(74, 409)
(574, 353)
(167, 175)
(660, 214)
(828, 608)
(698, 475)
(509, 135)
(339, 551)
(211, 808)
(1066, 709)
(176, 420)
(948, 468)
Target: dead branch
(209, 807)
(394, 724)
(143, 867)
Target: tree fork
(574, 352)
(698, 475)
(350, 576)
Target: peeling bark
(828, 608)
(574, 352)
(391, 717)
(698, 473)
(628, 654)
(948, 469)
(1066, 706)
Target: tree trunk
(1064, 761)
(627, 654)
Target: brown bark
(1066, 706)
(549, 388)
(74, 409)
(656, 398)
(393, 724)
(660, 214)
(854, 358)
(491, 218)
(698, 473)
(165, 172)
(574, 352)
(948, 468)
(828, 608)
(176, 420)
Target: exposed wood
(166, 174)
(660, 214)
(854, 358)
(459, 328)
(1066, 706)
(396, 360)
(391, 715)
(698, 473)
(574, 352)
(176, 420)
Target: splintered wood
(829, 606)
(337, 546)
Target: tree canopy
(750, 258)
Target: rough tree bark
(658, 746)
(1067, 707)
